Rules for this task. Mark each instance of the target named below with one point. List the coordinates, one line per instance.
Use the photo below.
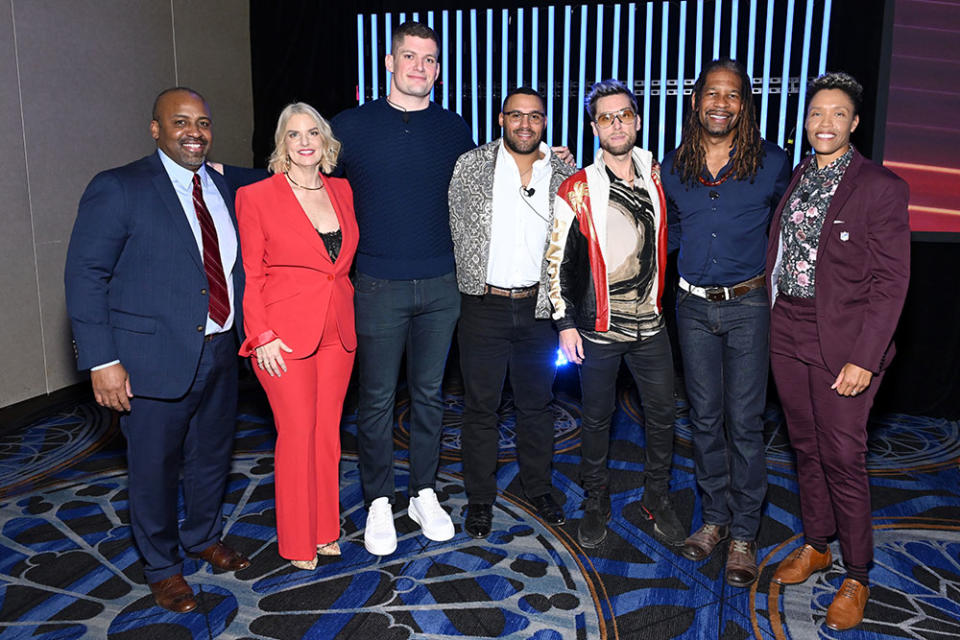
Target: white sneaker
(379, 536)
(426, 511)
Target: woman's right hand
(270, 357)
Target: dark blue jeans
(392, 316)
(726, 353)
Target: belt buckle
(715, 294)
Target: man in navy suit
(153, 286)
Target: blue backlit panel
(658, 48)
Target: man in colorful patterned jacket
(606, 267)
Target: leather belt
(520, 292)
(718, 294)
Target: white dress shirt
(520, 224)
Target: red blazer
(291, 281)
(863, 265)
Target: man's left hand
(565, 156)
(852, 380)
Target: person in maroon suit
(839, 259)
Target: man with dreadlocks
(722, 185)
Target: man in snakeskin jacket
(501, 211)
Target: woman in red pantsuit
(298, 236)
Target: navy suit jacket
(135, 285)
(863, 264)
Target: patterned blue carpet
(68, 569)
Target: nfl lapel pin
(844, 236)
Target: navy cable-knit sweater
(399, 172)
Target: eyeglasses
(516, 117)
(625, 115)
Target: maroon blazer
(291, 281)
(863, 264)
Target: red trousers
(307, 402)
(828, 432)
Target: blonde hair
(279, 161)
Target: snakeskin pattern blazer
(470, 197)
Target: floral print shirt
(801, 224)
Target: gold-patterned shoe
(305, 565)
(329, 549)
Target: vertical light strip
(446, 52)
(549, 93)
(459, 86)
(647, 75)
(598, 67)
(717, 19)
(785, 75)
(520, 51)
(764, 94)
(388, 26)
(433, 89)
(734, 23)
(598, 73)
(565, 93)
(535, 47)
(751, 48)
(402, 18)
(615, 53)
(804, 72)
(662, 116)
(374, 71)
(698, 61)
(416, 17)
(631, 49)
(681, 63)
(824, 35)
(504, 50)
(489, 76)
(474, 78)
(582, 81)
(361, 81)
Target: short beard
(517, 147)
(620, 150)
(731, 125)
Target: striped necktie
(219, 307)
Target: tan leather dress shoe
(702, 543)
(223, 557)
(846, 610)
(174, 594)
(801, 564)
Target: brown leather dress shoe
(801, 564)
(846, 610)
(702, 543)
(174, 594)
(741, 563)
(223, 557)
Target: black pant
(651, 364)
(496, 333)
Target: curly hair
(691, 158)
(838, 80)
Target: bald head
(182, 126)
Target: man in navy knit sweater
(398, 154)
